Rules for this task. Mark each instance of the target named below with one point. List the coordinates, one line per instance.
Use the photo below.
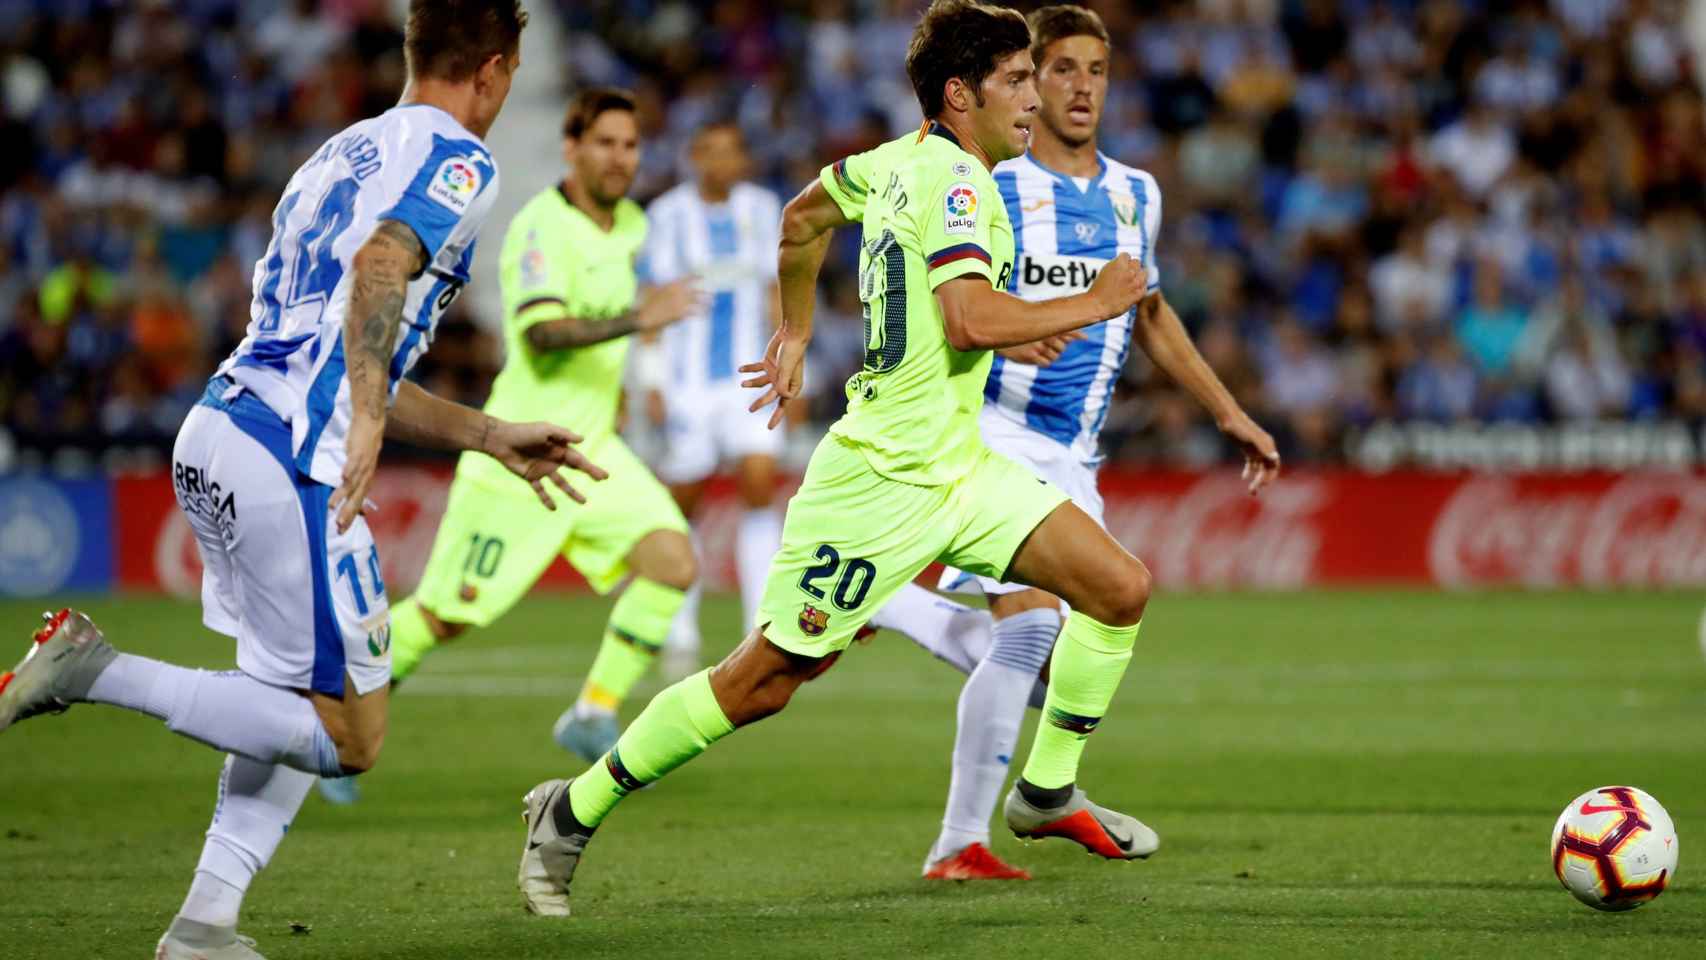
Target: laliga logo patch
(455, 183)
(813, 622)
(960, 209)
(533, 272)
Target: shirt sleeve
(535, 273)
(445, 190)
(957, 227)
(848, 182)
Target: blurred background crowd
(1376, 210)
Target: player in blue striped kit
(1073, 210)
(722, 230)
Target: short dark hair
(1060, 21)
(449, 39)
(963, 39)
(592, 102)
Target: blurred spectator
(1375, 208)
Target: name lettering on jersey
(357, 150)
(959, 214)
(895, 193)
(1055, 276)
(1086, 231)
(455, 183)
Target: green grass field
(1347, 774)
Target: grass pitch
(1347, 774)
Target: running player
(569, 291)
(904, 478)
(1073, 210)
(371, 241)
(724, 230)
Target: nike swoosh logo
(1124, 843)
(1589, 808)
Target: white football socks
(756, 542)
(229, 711)
(257, 802)
(953, 632)
(991, 710)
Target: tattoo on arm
(568, 333)
(383, 267)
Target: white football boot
(188, 940)
(67, 654)
(1103, 832)
(548, 859)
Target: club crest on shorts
(813, 622)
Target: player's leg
(493, 543)
(833, 567)
(1107, 590)
(246, 492)
(990, 712)
(664, 568)
(952, 632)
(1019, 531)
(628, 528)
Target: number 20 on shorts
(857, 575)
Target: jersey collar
(1101, 169)
(934, 129)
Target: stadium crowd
(1375, 209)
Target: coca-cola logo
(1641, 530)
(1215, 534)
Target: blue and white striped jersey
(731, 246)
(1063, 234)
(414, 164)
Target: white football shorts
(711, 426)
(305, 603)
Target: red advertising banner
(1194, 530)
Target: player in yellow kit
(571, 300)
(904, 478)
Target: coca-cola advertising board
(1197, 531)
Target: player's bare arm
(978, 317)
(382, 268)
(535, 451)
(808, 222)
(1042, 352)
(659, 307)
(1163, 337)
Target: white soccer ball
(1614, 848)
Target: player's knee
(677, 566)
(1128, 596)
(359, 753)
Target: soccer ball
(1614, 848)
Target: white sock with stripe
(991, 710)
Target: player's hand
(781, 374)
(1043, 352)
(361, 460)
(661, 306)
(537, 452)
(1120, 285)
(1261, 457)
